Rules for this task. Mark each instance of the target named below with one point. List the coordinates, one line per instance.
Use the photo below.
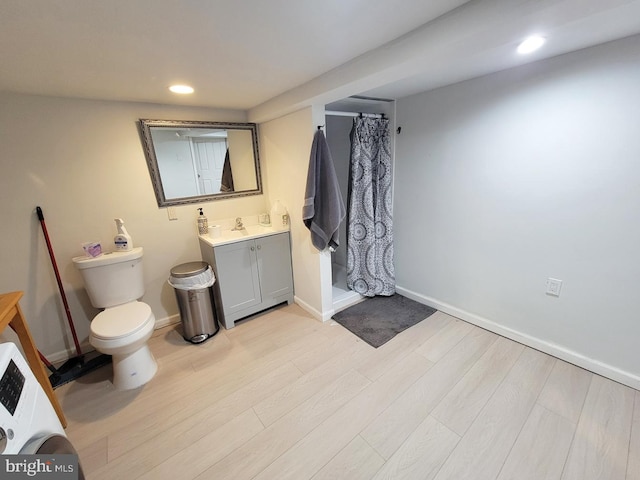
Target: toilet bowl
(114, 283)
(123, 332)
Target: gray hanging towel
(323, 208)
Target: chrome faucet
(239, 225)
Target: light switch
(171, 212)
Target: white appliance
(28, 422)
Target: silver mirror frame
(154, 171)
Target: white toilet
(114, 282)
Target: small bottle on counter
(203, 224)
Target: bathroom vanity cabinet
(251, 275)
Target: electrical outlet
(171, 213)
(553, 287)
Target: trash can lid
(189, 269)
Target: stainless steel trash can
(192, 283)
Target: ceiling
(247, 54)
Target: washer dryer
(28, 422)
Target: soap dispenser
(203, 224)
(122, 240)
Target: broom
(80, 364)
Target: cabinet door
(237, 276)
(274, 266)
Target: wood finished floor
(283, 396)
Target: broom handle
(55, 270)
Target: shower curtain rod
(334, 113)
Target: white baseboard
(309, 309)
(62, 356)
(346, 301)
(166, 321)
(339, 305)
(553, 349)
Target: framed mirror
(192, 162)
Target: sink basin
(234, 233)
(247, 233)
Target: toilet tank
(112, 278)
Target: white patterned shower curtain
(370, 269)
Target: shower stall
(338, 124)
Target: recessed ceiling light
(531, 44)
(183, 89)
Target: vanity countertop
(248, 233)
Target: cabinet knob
(259, 247)
(252, 249)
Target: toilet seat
(121, 321)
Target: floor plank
(422, 455)
(315, 450)
(601, 445)
(294, 393)
(444, 340)
(484, 448)
(633, 465)
(461, 405)
(392, 427)
(541, 448)
(319, 354)
(189, 462)
(259, 452)
(94, 456)
(229, 398)
(565, 390)
(356, 461)
(135, 453)
(403, 344)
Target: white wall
(531, 173)
(82, 161)
(286, 146)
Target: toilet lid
(120, 321)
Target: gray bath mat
(377, 320)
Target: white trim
(553, 349)
(309, 309)
(346, 300)
(339, 305)
(62, 356)
(166, 321)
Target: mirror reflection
(192, 162)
